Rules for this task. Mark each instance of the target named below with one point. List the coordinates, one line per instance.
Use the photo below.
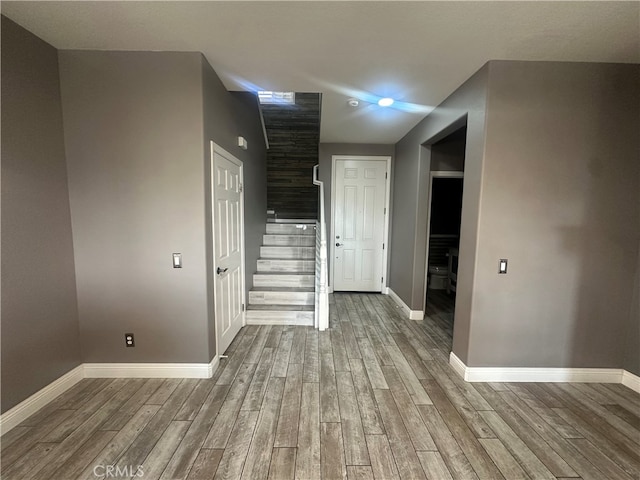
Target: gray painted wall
(448, 154)
(551, 184)
(226, 116)
(326, 151)
(560, 190)
(39, 306)
(134, 136)
(410, 199)
(138, 127)
(255, 178)
(632, 345)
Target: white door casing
(228, 245)
(360, 223)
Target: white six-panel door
(359, 224)
(228, 245)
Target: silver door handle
(221, 270)
(338, 244)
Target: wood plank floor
(373, 397)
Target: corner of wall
(39, 289)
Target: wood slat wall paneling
(293, 132)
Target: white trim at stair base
(524, 374)
(35, 402)
(301, 322)
(412, 314)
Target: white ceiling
(416, 52)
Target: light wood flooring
(373, 397)
(440, 309)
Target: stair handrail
(322, 289)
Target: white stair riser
(281, 298)
(289, 240)
(295, 281)
(286, 265)
(290, 229)
(272, 317)
(288, 252)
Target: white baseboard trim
(35, 402)
(213, 365)
(527, 374)
(147, 370)
(412, 314)
(458, 366)
(630, 380)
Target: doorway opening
(443, 235)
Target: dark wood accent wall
(293, 132)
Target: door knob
(221, 270)
(338, 244)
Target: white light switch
(503, 266)
(177, 260)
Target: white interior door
(359, 224)
(228, 239)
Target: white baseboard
(147, 370)
(214, 364)
(412, 314)
(35, 402)
(525, 374)
(630, 380)
(459, 367)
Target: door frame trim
(387, 200)
(432, 175)
(215, 148)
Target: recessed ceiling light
(353, 102)
(385, 102)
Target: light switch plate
(502, 266)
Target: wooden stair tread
(274, 259)
(284, 273)
(308, 221)
(283, 289)
(282, 308)
(290, 246)
(303, 233)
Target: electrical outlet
(128, 339)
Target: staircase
(283, 290)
